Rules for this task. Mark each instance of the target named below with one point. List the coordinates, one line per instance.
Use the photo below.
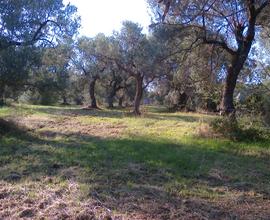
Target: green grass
(159, 153)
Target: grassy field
(68, 163)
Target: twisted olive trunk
(65, 102)
(139, 95)
(238, 60)
(93, 101)
(120, 102)
(227, 105)
(110, 100)
(2, 92)
(111, 95)
(237, 63)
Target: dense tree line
(199, 55)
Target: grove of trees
(198, 55)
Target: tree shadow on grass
(139, 176)
(77, 111)
(113, 113)
(173, 117)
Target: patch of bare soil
(90, 108)
(69, 126)
(247, 206)
(46, 201)
(32, 122)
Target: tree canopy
(229, 25)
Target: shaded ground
(77, 164)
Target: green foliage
(25, 22)
(243, 128)
(27, 28)
(14, 66)
(226, 126)
(254, 100)
(266, 108)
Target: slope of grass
(70, 163)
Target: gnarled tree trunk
(120, 102)
(227, 105)
(238, 59)
(110, 100)
(2, 92)
(182, 101)
(237, 62)
(92, 85)
(112, 93)
(65, 102)
(139, 95)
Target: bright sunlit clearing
(104, 16)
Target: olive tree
(139, 56)
(88, 62)
(229, 25)
(27, 22)
(27, 25)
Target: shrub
(266, 108)
(226, 127)
(242, 129)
